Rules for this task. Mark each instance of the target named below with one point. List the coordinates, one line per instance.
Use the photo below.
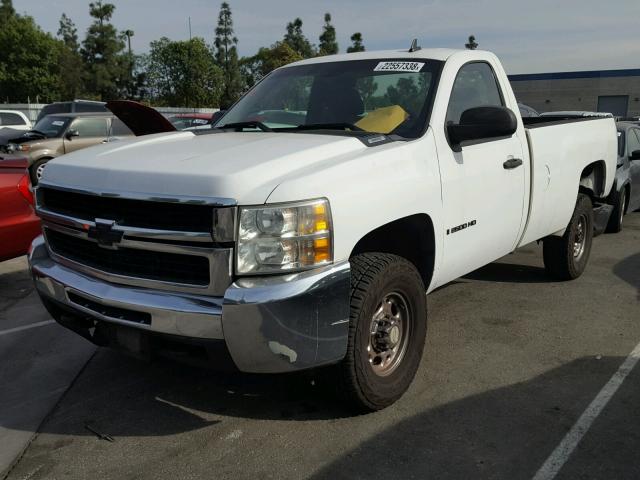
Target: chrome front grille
(160, 243)
(171, 216)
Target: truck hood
(245, 166)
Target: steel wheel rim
(40, 171)
(389, 334)
(580, 237)
(623, 201)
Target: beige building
(613, 91)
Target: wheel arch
(46, 157)
(593, 179)
(411, 237)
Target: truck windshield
(52, 126)
(379, 96)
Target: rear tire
(566, 257)
(387, 328)
(615, 222)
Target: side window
(90, 127)
(54, 108)
(475, 86)
(8, 119)
(119, 129)
(632, 141)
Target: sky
(530, 36)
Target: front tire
(387, 328)
(566, 257)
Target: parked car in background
(19, 224)
(14, 120)
(56, 135)
(526, 111)
(182, 121)
(75, 106)
(626, 193)
(576, 114)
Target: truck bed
(537, 122)
(560, 148)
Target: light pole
(129, 34)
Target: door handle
(512, 163)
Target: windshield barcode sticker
(399, 67)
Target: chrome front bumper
(269, 324)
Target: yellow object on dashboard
(383, 120)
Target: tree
(102, 51)
(227, 57)
(267, 60)
(71, 66)
(357, 46)
(406, 94)
(367, 88)
(297, 41)
(328, 44)
(68, 33)
(183, 73)
(6, 10)
(29, 61)
(471, 44)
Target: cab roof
(441, 54)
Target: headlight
(284, 238)
(14, 147)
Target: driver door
(85, 132)
(483, 193)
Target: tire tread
(365, 271)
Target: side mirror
(635, 155)
(480, 123)
(71, 133)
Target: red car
(19, 224)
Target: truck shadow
(507, 433)
(629, 271)
(123, 397)
(128, 397)
(500, 272)
(503, 433)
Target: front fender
(373, 187)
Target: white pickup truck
(305, 229)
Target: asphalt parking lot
(513, 360)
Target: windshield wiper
(239, 126)
(327, 126)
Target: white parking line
(563, 451)
(26, 327)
